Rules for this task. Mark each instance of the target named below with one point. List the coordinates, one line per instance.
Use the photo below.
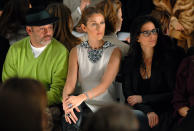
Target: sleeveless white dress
(92, 65)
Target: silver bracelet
(86, 95)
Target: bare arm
(72, 73)
(107, 79)
(75, 101)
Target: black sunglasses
(148, 32)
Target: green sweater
(50, 67)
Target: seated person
(39, 56)
(183, 99)
(149, 75)
(23, 105)
(95, 63)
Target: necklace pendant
(94, 55)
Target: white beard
(45, 42)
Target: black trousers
(82, 118)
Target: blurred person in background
(23, 105)
(64, 26)
(12, 20)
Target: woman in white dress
(95, 63)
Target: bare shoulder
(73, 51)
(73, 54)
(116, 53)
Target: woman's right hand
(69, 113)
(183, 111)
(153, 119)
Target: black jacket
(162, 82)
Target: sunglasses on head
(148, 32)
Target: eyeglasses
(148, 33)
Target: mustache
(47, 36)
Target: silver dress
(92, 65)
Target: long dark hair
(13, 16)
(135, 50)
(63, 27)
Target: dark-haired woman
(149, 75)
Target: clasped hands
(69, 104)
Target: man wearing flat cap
(39, 56)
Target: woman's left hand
(134, 99)
(74, 100)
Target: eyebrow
(149, 30)
(95, 21)
(91, 21)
